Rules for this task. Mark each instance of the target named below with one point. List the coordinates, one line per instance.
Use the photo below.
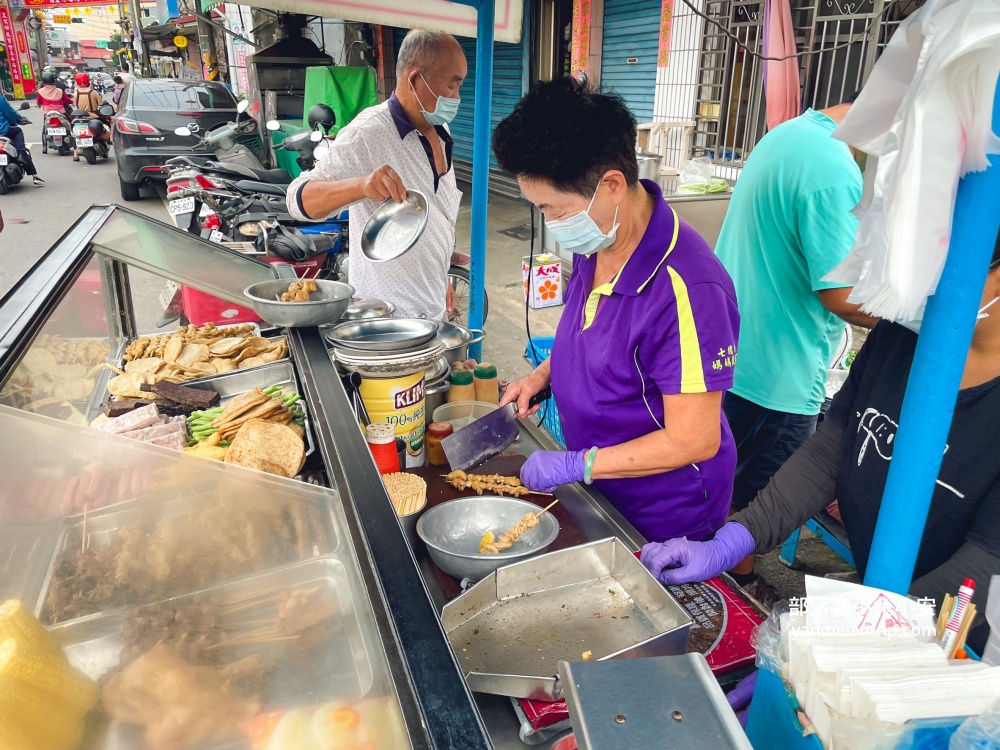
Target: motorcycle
(58, 133)
(88, 133)
(11, 167)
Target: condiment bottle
(486, 383)
(436, 432)
(381, 439)
(462, 388)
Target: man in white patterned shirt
(400, 144)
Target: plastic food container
(461, 413)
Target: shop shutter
(631, 31)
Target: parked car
(149, 112)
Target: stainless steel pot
(457, 340)
(435, 395)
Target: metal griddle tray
(511, 629)
(103, 525)
(231, 384)
(338, 670)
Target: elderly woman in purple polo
(647, 342)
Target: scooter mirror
(315, 136)
(273, 125)
(182, 131)
(242, 106)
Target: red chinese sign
(666, 22)
(15, 41)
(64, 3)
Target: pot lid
(368, 307)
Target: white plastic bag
(991, 654)
(925, 113)
(696, 178)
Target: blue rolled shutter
(631, 30)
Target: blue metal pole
(480, 163)
(935, 377)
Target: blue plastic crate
(538, 350)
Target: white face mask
(580, 233)
(914, 325)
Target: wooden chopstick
(545, 510)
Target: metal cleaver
(487, 437)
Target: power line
(854, 39)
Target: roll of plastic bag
(925, 117)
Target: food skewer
(493, 483)
(546, 508)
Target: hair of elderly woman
(419, 50)
(569, 133)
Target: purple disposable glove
(698, 561)
(546, 470)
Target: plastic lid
(485, 371)
(461, 377)
(380, 433)
(440, 429)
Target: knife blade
(487, 437)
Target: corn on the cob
(45, 721)
(16, 621)
(22, 665)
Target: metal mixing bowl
(325, 305)
(452, 532)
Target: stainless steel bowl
(326, 304)
(452, 532)
(383, 334)
(393, 228)
(457, 340)
(368, 308)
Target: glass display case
(213, 605)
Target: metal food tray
(511, 629)
(231, 384)
(338, 670)
(103, 525)
(24, 555)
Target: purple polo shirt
(667, 324)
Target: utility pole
(41, 43)
(137, 46)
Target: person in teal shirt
(788, 225)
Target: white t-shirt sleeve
(346, 157)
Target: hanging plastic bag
(925, 115)
(696, 178)
(979, 732)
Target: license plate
(57, 131)
(181, 206)
(3, 160)
(85, 142)
(167, 293)
(216, 236)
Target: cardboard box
(543, 284)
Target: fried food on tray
(145, 561)
(267, 446)
(490, 484)
(491, 545)
(155, 346)
(299, 291)
(180, 705)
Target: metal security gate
(629, 51)
(846, 36)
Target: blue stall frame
(935, 377)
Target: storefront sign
(15, 41)
(433, 15)
(75, 4)
(62, 19)
(666, 23)
(580, 38)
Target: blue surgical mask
(580, 233)
(445, 109)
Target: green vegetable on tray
(200, 422)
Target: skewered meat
(507, 539)
(298, 291)
(491, 484)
